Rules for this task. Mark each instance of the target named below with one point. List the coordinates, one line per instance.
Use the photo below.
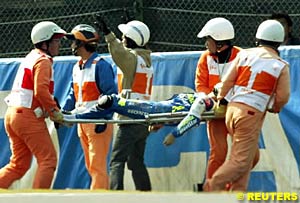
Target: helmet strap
(41, 46)
(131, 43)
(219, 46)
(47, 50)
(78, 44)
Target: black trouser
(129, 146)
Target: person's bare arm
(282, 91)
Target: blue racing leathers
(194, 103)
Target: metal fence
(174, 24)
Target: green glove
(57, 116)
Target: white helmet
(270, 30)
(219, 29)
(44, 31)
(137, 31)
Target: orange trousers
(217, 137)
(96, 148)
(244, 124)
(28, 136)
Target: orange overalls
(258, 75)
(30, 99)
(208, 74)
(95, 145)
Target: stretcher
(149, 119)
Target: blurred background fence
(174, 24)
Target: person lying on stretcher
(193, 103)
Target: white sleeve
(198, 107)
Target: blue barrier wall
(178, 167)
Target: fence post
(138, 10)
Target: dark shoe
(198, 187)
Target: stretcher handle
(150, 120)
